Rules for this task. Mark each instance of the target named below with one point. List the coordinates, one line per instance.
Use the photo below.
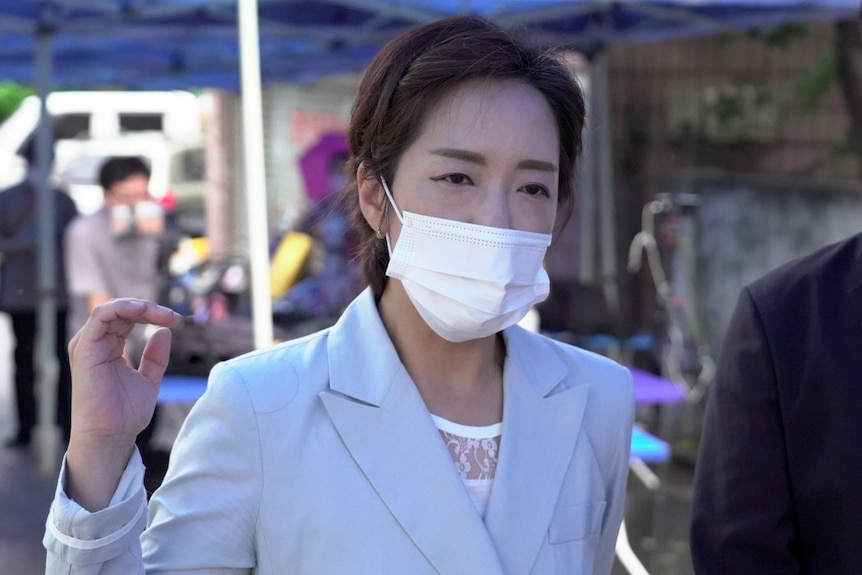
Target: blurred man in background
(115, 252)
(19, 295)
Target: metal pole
(255, 172)
(604, 155)
(585, 201)
(219, 219)
(46, 361)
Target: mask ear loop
(391, 199)
(394, 209)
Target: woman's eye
(456, 179)
(536, 190)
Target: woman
(424, 432)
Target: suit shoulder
(275, 376)
(828, 268)
(8, 194)
(608, 379)
(65, 201)
(609, 415)
(581, 357)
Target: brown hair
(412, 73)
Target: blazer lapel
(540, 428)
(385, 426)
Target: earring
(378, 235)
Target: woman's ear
(372, 199)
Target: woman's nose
(495, 212)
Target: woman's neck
(462, 382)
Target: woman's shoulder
(585, 362)
(274, 377)
(607, 379)
(610, 402)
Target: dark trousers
(24, 328)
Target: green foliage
(784, 35)
(829, 160)
(810, 87)
(11, 95)
(842, 148)
(763, 96)
(727, 107)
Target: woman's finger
(139, 311)
(118, 316)
(73, 344)
(154, 360)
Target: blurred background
(722, 140)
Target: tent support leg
(255, 172)
(606, 199)
(46, 384)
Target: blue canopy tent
(234, 43)
(182, 43)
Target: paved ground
(657, 520)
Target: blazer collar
(388, 431)
(385, 425)
(360, 339)
(363, 363)
(541, 423)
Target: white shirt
(474, 449)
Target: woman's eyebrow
(540, 165)
(479, 159)
(457, 154)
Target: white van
(97, 115)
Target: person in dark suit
(19, 296)
(778, 481)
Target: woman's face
(488, 154)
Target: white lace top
(474, 451)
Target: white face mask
(467, 281)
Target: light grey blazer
(319, 457)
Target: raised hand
(111, 401)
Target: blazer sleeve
(201, 520)
(106, 542)
(204, 516)
(742, 512)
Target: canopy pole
(46, 360)
(255, 173)
(603, 154)
(585, 202)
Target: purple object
(319, 161)
(651, 389)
